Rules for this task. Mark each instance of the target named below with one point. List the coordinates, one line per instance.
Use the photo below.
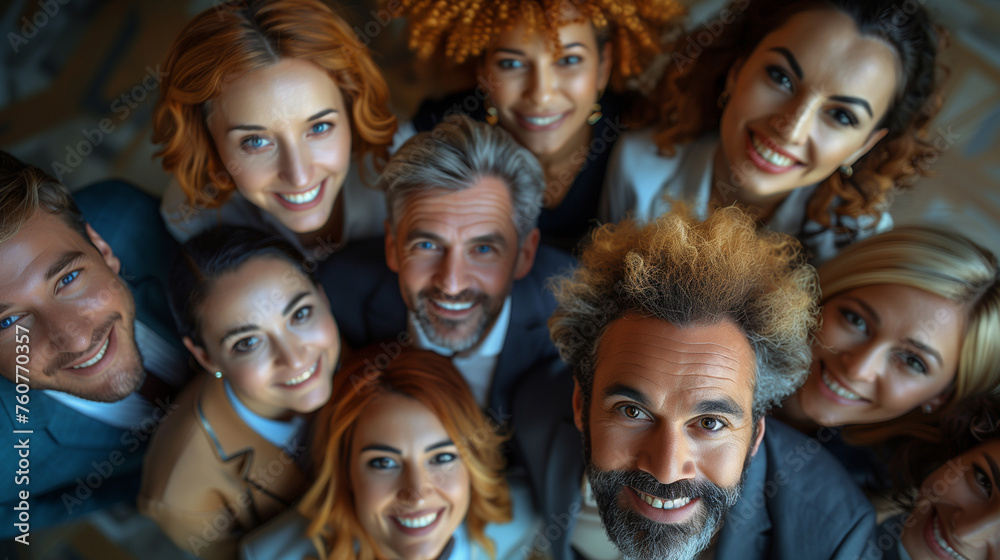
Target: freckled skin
(461, 246)
(673, 370)
(963, 496)
(67, 316)
(874, 342)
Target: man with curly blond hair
(681, 335)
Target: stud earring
(218, 375)
(723, 99)
(595, 110)
(928, 409)
(847, 170)
(492, 115)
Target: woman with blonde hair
(810, 113)
(551, 73)
(405, 466)
(268, 108)
(911, 323)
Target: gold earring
(492, 115)
(595, 110)
(847, 170)
(723, 99)
(218, 375)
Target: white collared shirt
(477, 365)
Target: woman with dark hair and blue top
(810, 113)
(228, 457)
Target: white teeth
(96, 358)
(417, 522)
(299, 379)
(454, 306)
(838, 388)
(303, 198)
(664, 504)
(542, 121)
(770, 155)
(944, 544)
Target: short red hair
(240, 36)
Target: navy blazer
(367, 304)
(77, 464)
(797, 503)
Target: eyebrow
(251, 327)
(926, 349)
(385, 448)
(257, 127)
(993, 468)
(724, 405)
(519, 52)
(438, 445)
(798, 72)
(622, 390)
(64, 261)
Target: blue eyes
(7, 322)
(779, 77)
(68, 279)
(254, 142)
(382, 463)
(483, 249)
(570, 60)
(443, 458)
(385, 463)
(320, 128)
(514, 64)
(425, 245)
(303, 313)
(854, 320)
(510, 64)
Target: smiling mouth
(299, 379)
(659, 503)
(302, 198)
(418, 522)
(454, 305)
(939, 539)
(97, 357)
(839, 389)
(770, 155)
(543, 121)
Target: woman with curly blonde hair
(267, 109)
(808, 112)
(405, 466)
(543, 67)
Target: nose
(296, 165)
(793, 125)
(289, 351)
(864, 363)
(542, 85)
(73, 331)
(666, 455)
(416, 486)
(979, 528)
(451, 276)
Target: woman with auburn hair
(808, 112)
(267, 109)
(405, 466)
(543, 68)
(947, 482)
(911, 324)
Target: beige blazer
(209, 478)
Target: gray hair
(687, 272)
(454, 156)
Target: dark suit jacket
(78, 464)
(365, 298)
(798, 502)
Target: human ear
(200, 355)
(577, 405)
(760, 435)
(734, 72)
(105, 250)
(526, 254)
(873, 139)
(936, 402)
(391, 258)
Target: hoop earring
(723, 99)
(847, 170)
(595, 110)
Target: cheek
(334, 152)
(249, 378)
(722, 462)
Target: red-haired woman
(268, 109)
(807, 112)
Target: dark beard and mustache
(640, 538)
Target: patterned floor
(64, 70)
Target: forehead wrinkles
(459, 208)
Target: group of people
(635, 294)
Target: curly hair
(239, 36)
(685, 271)
(432, 380)
(702, 60)
(467, 28)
